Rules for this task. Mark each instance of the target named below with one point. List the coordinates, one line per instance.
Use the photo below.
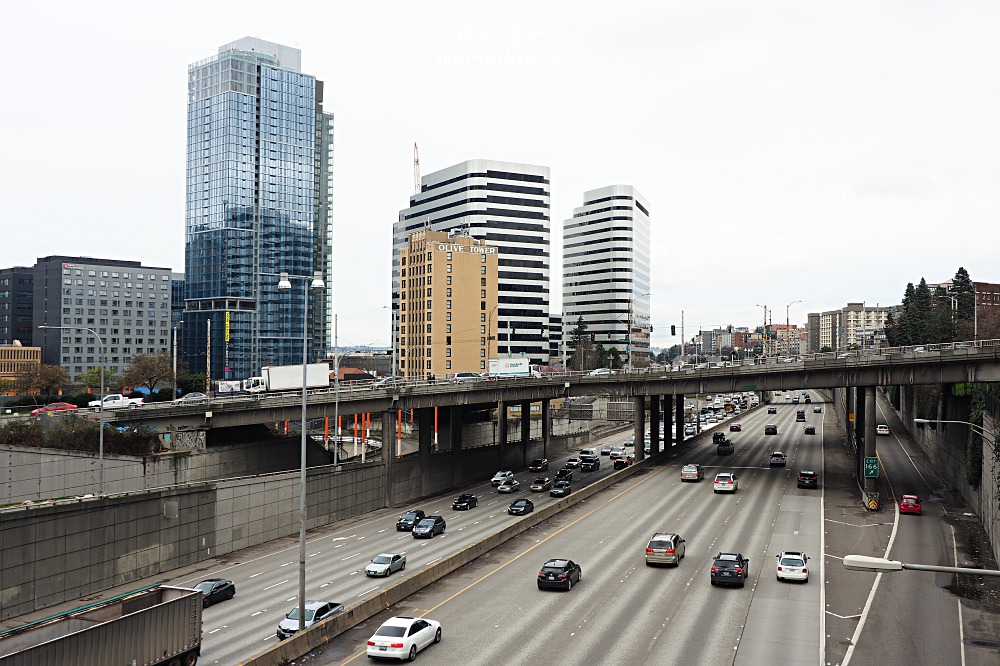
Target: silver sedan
(385, 563)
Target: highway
(266, 577)
(626, 613)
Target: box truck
(288, 378)
(512, 367)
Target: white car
(501, 476)
(403, 637)
(881, 430)
(600, 372)
(792, 566)
(509, 486)
(725, 482)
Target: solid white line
(822, 549)
(871, 595)
(961, 629)
(367, 591)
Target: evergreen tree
(941, 327)
(582, 345)
(922, 327)
(906, 330)
(965, 304)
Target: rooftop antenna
(416, 169)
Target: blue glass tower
(259, 161)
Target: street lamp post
(788, 332)
(100, 409)
(881, 564)
(393, 335)
(990, 437)
(763, 344)
(489, 335)
(316, 284)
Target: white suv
(792, 566)
(725, 482)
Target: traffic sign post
(871, 467)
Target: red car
(736, 427)
(54, 407)
(910, 504)
(623, 462)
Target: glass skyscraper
(259, 162)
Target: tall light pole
(489, 335)
(392, 337)
(316, 284)
(990, 437)
(788, 332)
(100, 418)
(763, 344)
(174, 397)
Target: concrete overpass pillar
(679, 418)
(455, 422)
(654, 426)
(502, 431)
(859, 431)
(425, 440)
(640, 426)
(870, 483)
(525, 429)
(668, 416)
(546, 429)
(388, 451)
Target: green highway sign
(749, 387)
(871, 467)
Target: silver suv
(664, 548)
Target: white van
(589, 452)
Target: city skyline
(814, 153)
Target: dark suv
(730, 569)
(408, 520)
(590, 463)
(808, 479)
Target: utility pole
(208, 360)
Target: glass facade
(258, 204)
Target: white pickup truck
(117, 401)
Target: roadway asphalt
(624, 612)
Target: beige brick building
(17, 364)
(448, 302)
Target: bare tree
(149, 370)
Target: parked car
(725, 482)
(882, 429)
(216, 589)
(538, 465)
(807, 478)
(560, 574)
(778, 459)
(910, 504)
(316, 611)
(792, 566)
(521, 507)
(664, 548)
(465, 502)
(501, 476)
(54, 407)
(409, 519)
(384, 564)
(560, 489)
(730, 569)
(509, 486)
(692, 472)
(428, 527)
(809, 430)
(402, 638)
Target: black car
(772, 410)
(770, 429)
(817, 410)
(810, 430)
(718, 437)
(463, 502)
(590, 464)
(560, 489)
(560, 574)
(216, 589)
(800, 415)
(730, 569)
(428, 527)
(521, 507)
(808, 479)
(538, 465)
(409, 519)
(565, 474)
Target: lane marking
(961, 628)
(276, 584)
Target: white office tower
(606, 270)
(508, 205)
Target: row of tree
(942, 315)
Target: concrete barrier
(320, 634)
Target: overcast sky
(828, 152)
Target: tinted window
(426, 522)
(658, 543)
(409, 515)
(391, 631)
(792, 562)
